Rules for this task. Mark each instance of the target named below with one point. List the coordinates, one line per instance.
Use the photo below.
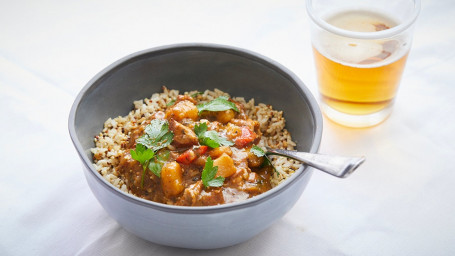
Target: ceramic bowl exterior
(188, 67)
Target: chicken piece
(232, 131)
(200, 161)
(183, 135)
(211, 196)
(253, 125)
(190, 194)
(184, 109)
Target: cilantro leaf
(155, 167)
(158, 162)
(210, 138)
(163, 155)
(259, 152)
(143, 155)
(217, 182)
(213, 140)
(219, 104)
(208, 175)
(200, 129)
(157, 135)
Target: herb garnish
(143, 155)
(210, 138)
(158, 161)
(156, 137)
(257, 151)
(261, 153)
(170, 103)
(208, 175)
(219, 104)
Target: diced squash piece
(225, 166)
(172, 179)
(181, 110)
(254, 160)
(217, 152)
(225, 116)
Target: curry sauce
(180, 165)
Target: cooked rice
(116, 132)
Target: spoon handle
(338, 166)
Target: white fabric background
(400, 202)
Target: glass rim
(365, 35)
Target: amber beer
(359, 76)
(357, 90)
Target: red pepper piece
(201, 150)
(187, 157)
(245, 138)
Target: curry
(196, 154)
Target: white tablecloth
(400, 202)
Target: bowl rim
(300, 86)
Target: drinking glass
(360, 49)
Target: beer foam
(349, 50)
(360, 21)
(353, 51)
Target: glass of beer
(360, 49)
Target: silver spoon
(338, 166)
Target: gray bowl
(195, 67)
